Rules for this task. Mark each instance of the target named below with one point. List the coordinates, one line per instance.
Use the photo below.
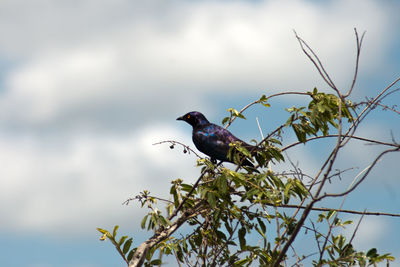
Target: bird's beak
(180, 118)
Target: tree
(253, 215)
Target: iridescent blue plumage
(211, 139)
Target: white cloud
(80, 69)
(78, 183)
(188, 51)
(372, 231)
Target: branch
(190, 193)
(369, 107)
(389, 108)
(328, 164)
(363, 177)
(258, 101)
(140, 254)
(173, 143)
(309, 207)
(316, 61)
(385, 107)
(344, 211)
(289, 242)
(335, 135)
(140, 197)
(358, 43)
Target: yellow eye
(188, 116)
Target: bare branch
(335, 135)
(359, 44)
(316, 61)
(372, 213)
(140, 197)
(328, 164)
(368, 108)
(363, 177)
(186, 148)
(355, 230)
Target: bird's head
(194, 118)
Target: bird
(214, 140)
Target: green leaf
(242, 240)
(236, 113)
(347, 222)
(225, 120)
(321, 107)
(221, 235)
(115, 231)
(242, 262)
(179, 253)
(170, 208)
(263, 98)
(143, 223)
(211, 199)
(267, 105)
(130, 255)
(127, 245)
(102, 231)
(186, 187)
(373, 252)
(288, 187)
(184, 246)
(298, 130)
(121, 240)
(164, 221)
(342, 239)
(262, 225)
(156, 262)
(330, 214)
(228, 228)
(289, 121)
(241, 149)
(222, 184)
(252, 192)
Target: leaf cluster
(322, 111)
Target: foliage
(251, 216)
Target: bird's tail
(242, 154)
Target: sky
(86, 88)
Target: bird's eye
(188, 116)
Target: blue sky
(88, 86)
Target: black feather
(213, 140)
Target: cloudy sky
(86, 88)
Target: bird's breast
(203, 140)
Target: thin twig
(316, 61)
(335, 135)
(372, 213)
(358, 44)
(258, 101)
(362, 178)
(368, 108)
(139, 197)
(186, 148)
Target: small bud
(184, 150)
(171, 146)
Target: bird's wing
(214, 141)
